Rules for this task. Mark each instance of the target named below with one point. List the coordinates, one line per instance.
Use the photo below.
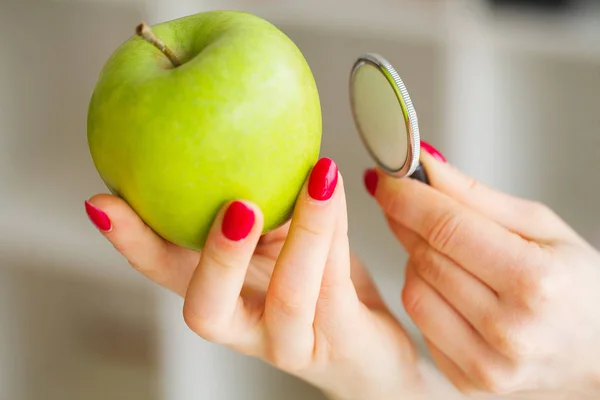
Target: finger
(455, 285)
(337, 297)
(269, 247)
(213, 306)
(337, 268)
(450, 333)
(528, 219)
(407, 238)
(366, 290)
(449, 368)
(477, 244)
(296, 281)
(164, 263)
(275, 235)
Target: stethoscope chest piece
(385, 117)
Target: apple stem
(146, 33)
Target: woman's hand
(505, 293)
(296, 297)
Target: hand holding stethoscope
(504, 292)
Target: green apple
(228, 110)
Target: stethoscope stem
(420, 174)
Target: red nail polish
(238, 221)
(433, 151)
(371, 179)
(323, 179)
(98, 217)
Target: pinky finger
(168, 265)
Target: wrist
(435, 385)
(595, 381)
(425, 382)
(407, 385)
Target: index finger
(528, 219)
(479, 245)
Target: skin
(296, 298)
(240, 118)
(300, 300)
(504, 291)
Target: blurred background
(508, 90)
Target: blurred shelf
(35, 240)
(419, 20)
(567, 36)
(571, 36)
(140, 3)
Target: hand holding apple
(296, 297)
(226, 107)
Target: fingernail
(433, 151)
(371, 178)
(238, 221)
(323, 179)
(98, 217)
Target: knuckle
(219, 259)
(137, 266)
(473, 184)
(487, 379)
(426, 262)
(392, 205)
(134, 258)
(539, 211)
(207, 328)
(444, 231)
(534, 289)
(327, 291)
(505, 338)
(412, 299)
(524, 280)
(467, 389)
(282, 358)
(308, 230)
(289, 305)
(530, 268)
(534, 301)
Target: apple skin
(239, 119)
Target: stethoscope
(385, 118)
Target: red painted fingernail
(238, 221)
(433, 151)
(371, 179)
(98, 217)
(323, 179)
